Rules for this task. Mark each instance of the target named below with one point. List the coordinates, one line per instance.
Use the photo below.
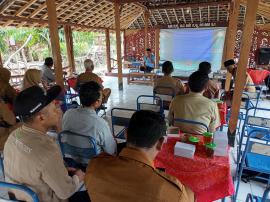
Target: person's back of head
(88, 65)
(32, 77)
(90, 94)
(146, 130)
(205, 67)
(48, 62)
(167, 68)
(5, 75)
(197, 82)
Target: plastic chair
(166, 94)
(80, 148)
(254, 96)
(21, 188)
(252, 123)
(121, 120)
(2, 165)
(186, 121)
(252, 160)
(149, 102)
(252, 198)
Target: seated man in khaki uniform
(194, 106)
(212, 90)
(33, 158)
(88, 75)
(249, 87)
(7, 120)
(168, 81)
(131, 176)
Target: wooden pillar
(157, 47)
(118, 43)
(230, 40)
(69, 45)
(53, 29)
(240, 80)
(108, 50)
(146, 39)
(1, 61)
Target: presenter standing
(149, 61)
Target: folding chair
(252, 124)
(149, 102)
(21, 188)
(255, 159)
(178, 121)
(80, 148)
(120, 117)
(2, 165)
(166, 94)
(253, 198)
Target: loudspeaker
(263, 56)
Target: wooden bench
(141, 78)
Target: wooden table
(141, 78)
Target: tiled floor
(127, 99)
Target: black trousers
(81, 196)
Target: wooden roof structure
(85, 15)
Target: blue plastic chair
(80, 148)
(255, 96)
(22, 188)
(251, 123)
(252, 198)
(2, 165)
(252, 161)
(166, 94)
(186, 121)
(121, 120)
(149, 102)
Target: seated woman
(7, 92)
(168, 81)
(32, 77)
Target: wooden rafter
(168, 17)
(5, 4)
(176, 17)
(183, 15)
(58, 6)
(70, 6)
(188, 5)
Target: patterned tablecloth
(210, 179)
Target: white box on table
(221, 140)
(184, 150)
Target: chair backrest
(79, 147)
(121, 117)
(191, 122)
(2, 165)
(22, 188)
(166, 94)
(266, 194)
(149, 102)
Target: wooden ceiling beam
(45, 22)
(76, 10)
(70, 6)
(20, 11)
(188, 5)
(5, 4)
(57, 7)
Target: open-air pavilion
(247, 25)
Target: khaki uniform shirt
(196, 107)
(89, 76)
(211, 90)
(132, 177)
(168, 81)
(33, 159)
(6, 116)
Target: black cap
(34, 99)
(229, 62)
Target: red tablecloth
(210, 179)
(258, 76)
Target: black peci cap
(229, 62)
(34, 99)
